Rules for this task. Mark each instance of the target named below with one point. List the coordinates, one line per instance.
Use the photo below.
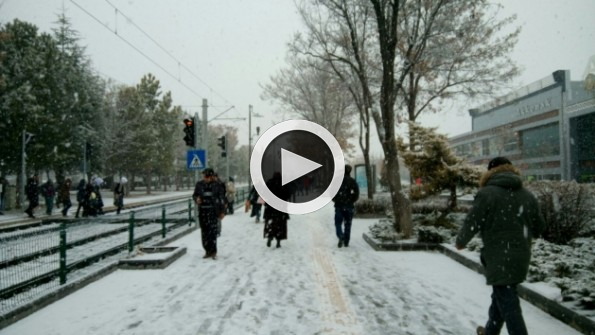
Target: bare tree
(338, 33)
(309, 89)
(451, 49)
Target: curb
(575, 320)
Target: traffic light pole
(204, 140)
(196, 172)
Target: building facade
(547, 129)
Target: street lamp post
(250, 114)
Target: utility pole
(227, 154)
(23, 168)
(26, 137)
(249, 143)
(204, 140)
(198, 142)
(250, 140)
(85, 160)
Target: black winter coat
(348, 193)
(507, 217)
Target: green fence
(37, 261)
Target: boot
(340, 244)
(269, 242)
(278, 243)
(214, 255)
(207, 255)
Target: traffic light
(189, 131)
(221, 143)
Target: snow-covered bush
(430, 234)
(384, 231)
(565, 206)
(372, 206)
(570, 267)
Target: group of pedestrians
(504, 213)
(88, 196)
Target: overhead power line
(144, 54)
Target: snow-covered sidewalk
(308, 286)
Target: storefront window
(541, 141)
(485, 147)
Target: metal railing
(37, 261)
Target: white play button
(292, 150)
(294, 166)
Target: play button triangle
(294, 166)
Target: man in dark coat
(507, 217)
(80, 197)
(64, 196)
(275, 221)
(32, 192)
(344, 209)
(210, 200)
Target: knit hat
(208, 172)
(497, 162)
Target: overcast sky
(221, 50)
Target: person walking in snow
(80, 197)
(119, 194)
(344, 209)
(97, 184)
(275, 221)
(32, 192)
(507, 217)
(64, 196)
(222, 191)
(256, 206)
(209, 198)
(49, 193)
(91, 202)
(231, 195)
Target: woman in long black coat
(275, 221)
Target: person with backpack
(344, 207)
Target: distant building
(547, 129)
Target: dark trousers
(343, 215)
(256, 210)
(80, 205)
(207, 218)
(506, 307)
(67, 204)
(32, 205)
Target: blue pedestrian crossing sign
(195, 159)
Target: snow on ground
(308, 286)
